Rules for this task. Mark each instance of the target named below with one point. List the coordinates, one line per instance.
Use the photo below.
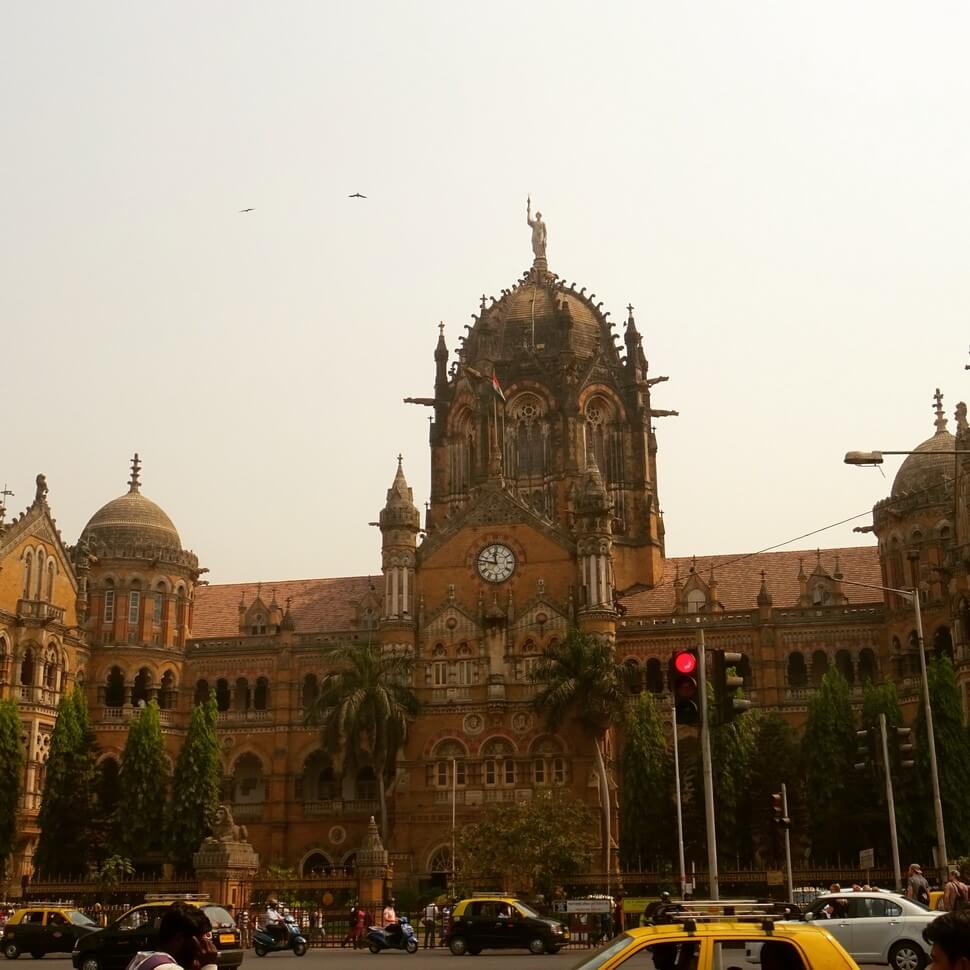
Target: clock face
(496, 563)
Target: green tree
(12, 771)
(953, 759)
(67, 803)
(579, 680)
(828, 757)
(776, 763)
(364, 710)
(196, 783)
(142, 787)
(646, 792)
(527, 846)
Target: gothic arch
(316, 862)
(797, 671)
(868, 667)
(820, 666)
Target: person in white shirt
(431, 915)
(273, 920)
(185, 941)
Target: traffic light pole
(784, 808)
(891, 803)
(708, 772)
(680, 814)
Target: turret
(400, 523)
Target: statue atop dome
(538, 230)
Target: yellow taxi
(722, 944)
(501, 923)
(44, 928)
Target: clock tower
(543, 506)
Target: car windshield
(78, 918)
(219, 918)
(527, 910)
(602, 956)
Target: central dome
(541, 311)
(932, 462)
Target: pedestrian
(949, 936)
(955, 893)
(917, 888)
(445, 920)
(184, 939)
(430, 923)
(243, 924)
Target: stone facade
(544, 513)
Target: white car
(876, 927)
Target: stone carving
(961, 417)
(224, 828)
(41, 494)
(539, 233)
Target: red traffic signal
(778, 816)
(684, 686)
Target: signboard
(867, 859)
(776, 877)
(588, 906)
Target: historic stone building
(544, 514)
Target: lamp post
(931, 739)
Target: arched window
(50, 580)
(316, 864)
(696, 601)
(843, 662)
(797, 673)
(820, 666)
(241, 700)
(311, 692)
(365, 785)
(943, 642)
(317, 782)
(461, 450)
(4, 661)
(222, 694)
(261, 694)
(134, 612)
(439, 862)
(464, 668)
(867, 666)
(912, 655)
(166, 694)
(50, 669)
(27, 668)
(28, 573)
(447, 753)
(604, 438)
(158, 605)
(41, 558)
(140, 690)
(655, 676)
(248, 781)
(114, 689)
(109, 602)
(201, 692)
(327, 784)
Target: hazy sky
(780, 189)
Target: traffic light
(726, 685)
(778, 816)
(865, 751)
(682, 677)
(904, 747)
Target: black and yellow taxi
(502, 923)
(44, 928)
(113, 947)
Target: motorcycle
(265, 942)
(377, 938)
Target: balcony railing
(38, 610)
(337, 806)
(250, 715)
(248, 810)
(39, 695)
(448, 695)
(121, 715)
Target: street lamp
(931, 739)
(875, 457)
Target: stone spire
(400, 522)
(940, 422)
(134, 483)
(764, 596)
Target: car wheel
(299, 949)
(90, 963)
(458, 946)
(374, 948)
(10, 951)
(907, 956)
(537, 945)
(412, 946)
(258, 947)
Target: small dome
(932, 462)
(131, 520)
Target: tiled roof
(739, 578)
(316, 605)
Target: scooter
(265, 942)
(406, 940)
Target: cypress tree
(732, 755)
(12, 771)
(953, 759)
(195, 786)
(142, 787)
(776, 762)
(828, 758)
(646, 792)
(61, 848)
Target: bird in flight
(356, 195)
(247, 210)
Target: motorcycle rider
(273, 921)
(392, 928)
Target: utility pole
(787, 817)
(708, 772)
(680, 814)
(890, 802)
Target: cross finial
(940, 417)
(133, 483)
(763, 574)
(484, 298)
(629, 309)
(400, 459)
(441, 328)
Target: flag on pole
(497, 387)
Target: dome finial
(940, 417)
(133, 483)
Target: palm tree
(579, 680)
(364, 709)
